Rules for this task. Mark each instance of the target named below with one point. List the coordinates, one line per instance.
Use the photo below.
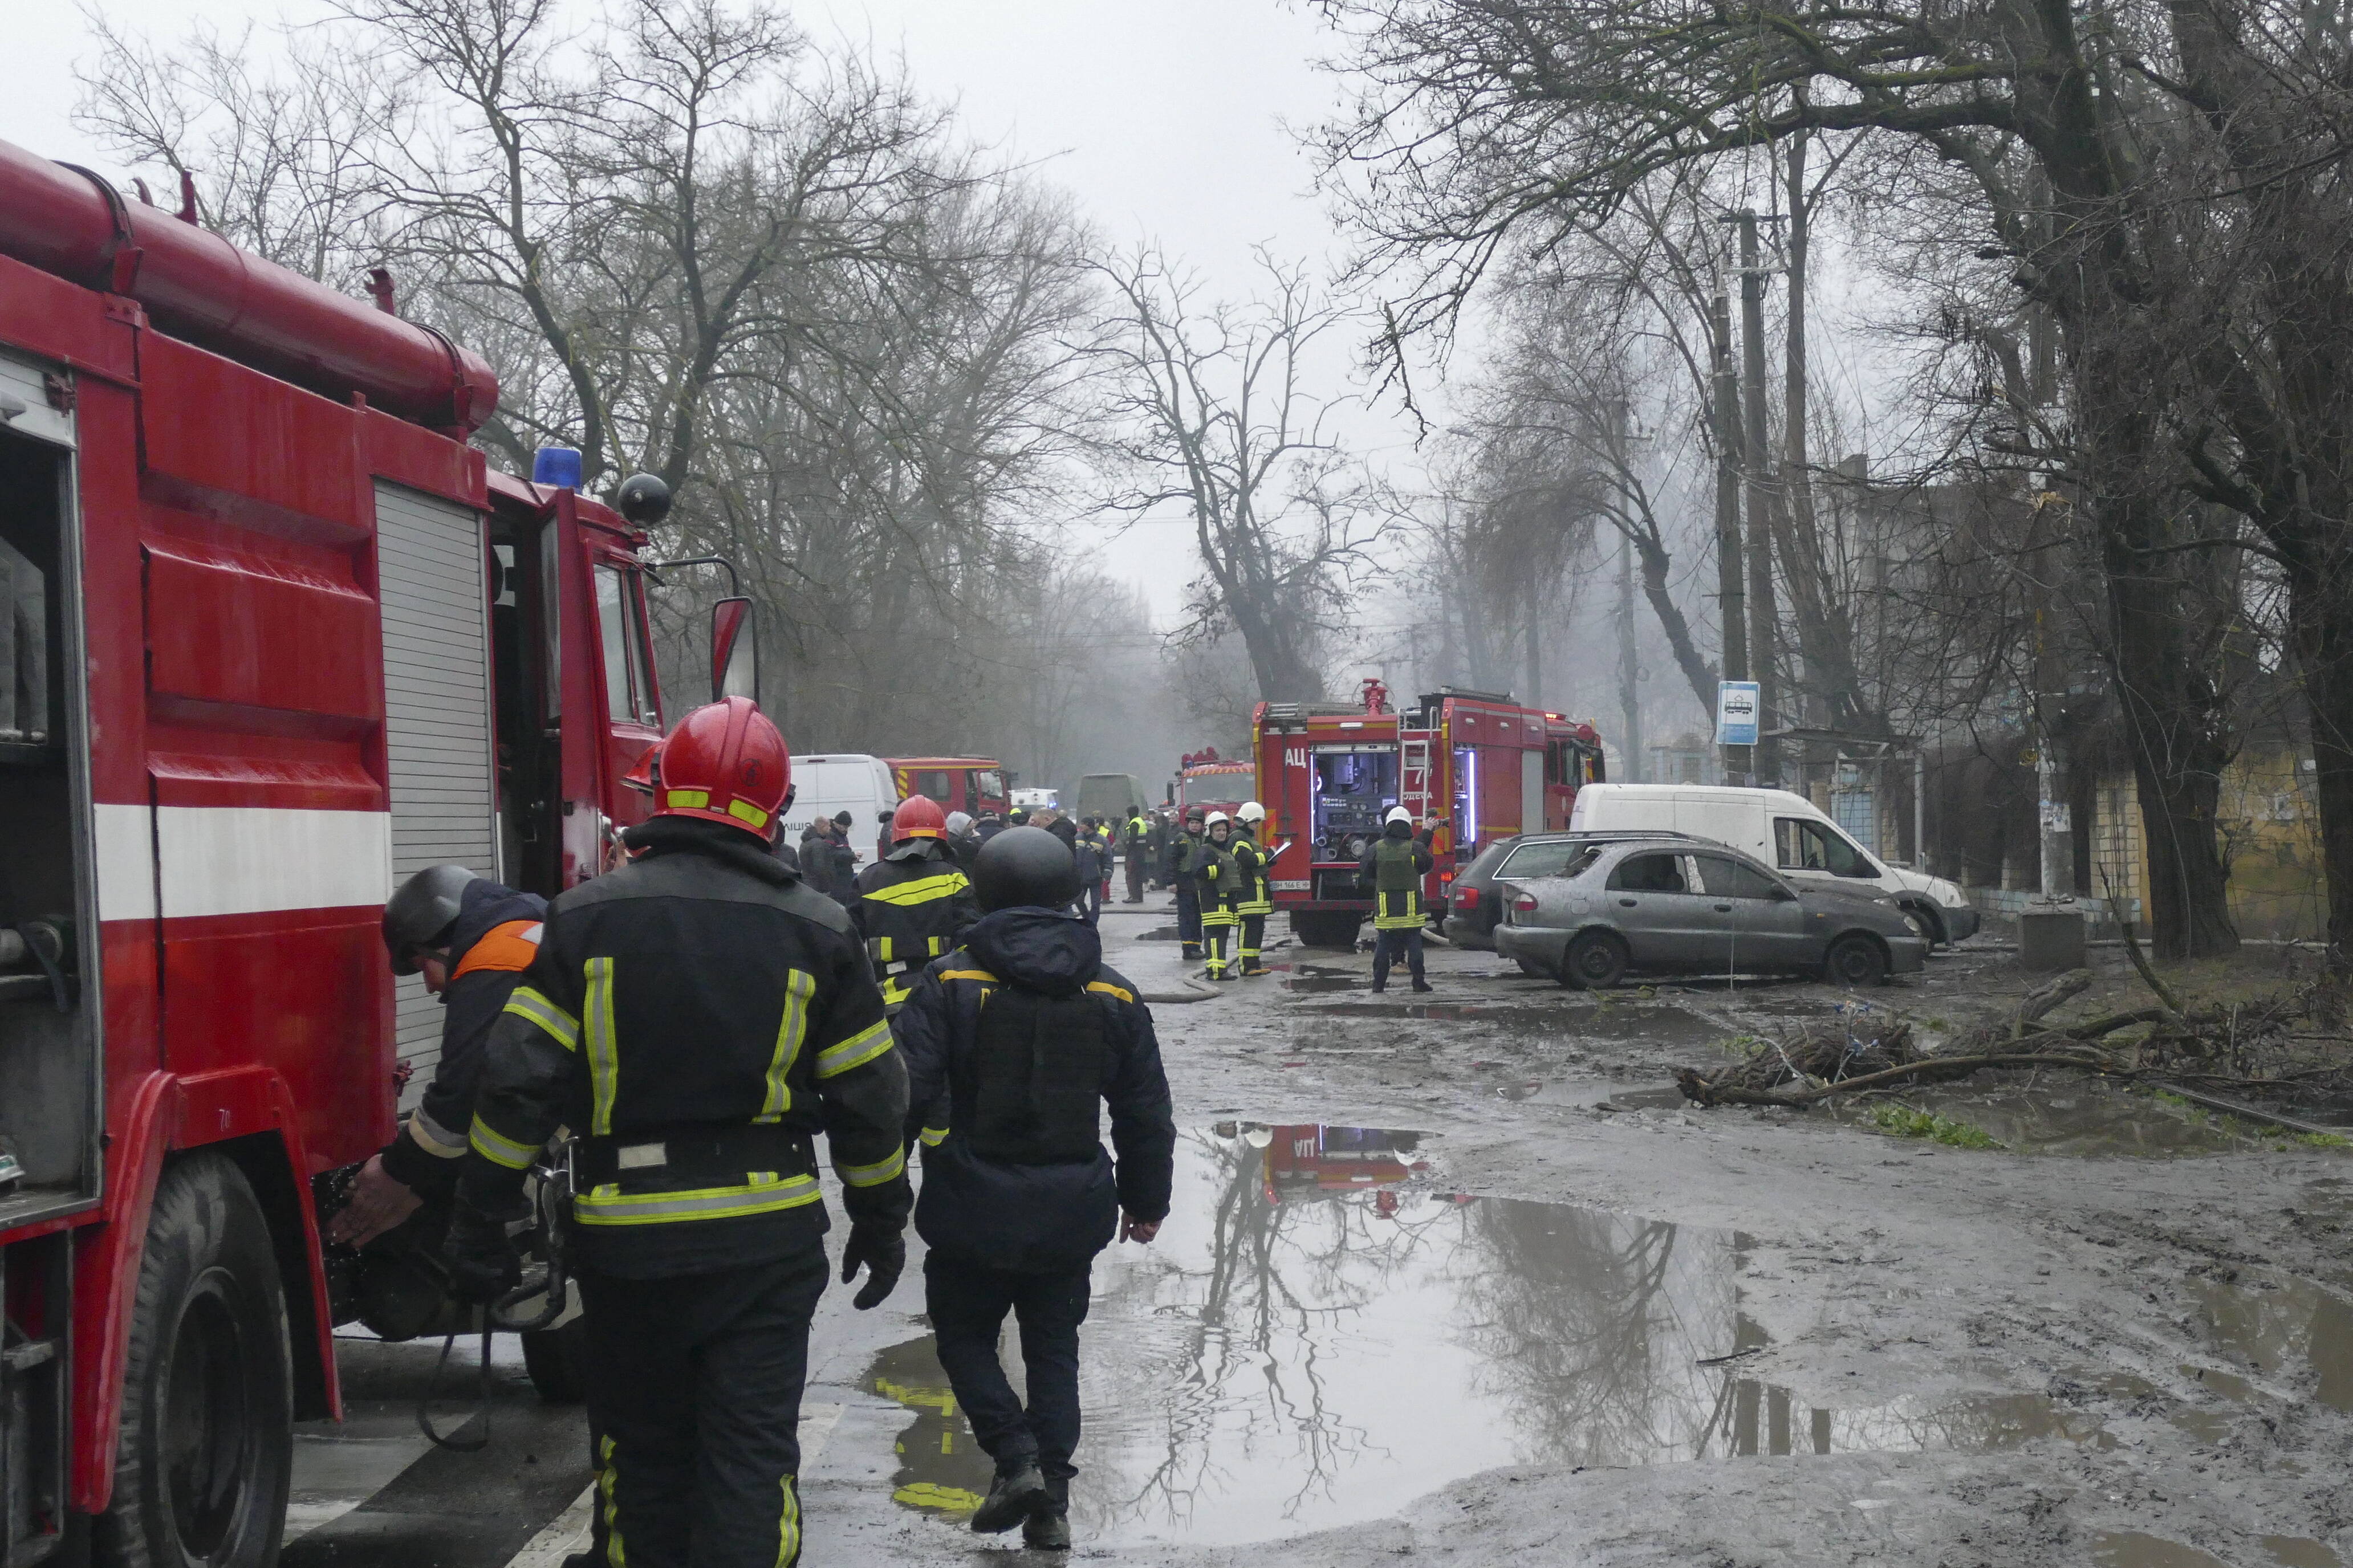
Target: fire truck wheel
(557, 1361)
(206, 1445)
(1326, 928)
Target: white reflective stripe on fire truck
(239, 860)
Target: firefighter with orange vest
(914, 903)
(471, 939)
(697, 1017)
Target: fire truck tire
(205, 1450)
(1326, 928)
(557, 1361)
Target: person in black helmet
(1014, 1044)
(471, 939)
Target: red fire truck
(276, 639)
(1328, 773)
(1209, 783)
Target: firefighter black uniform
(1185, 855)
(1135, 844)
(490, 938)
(1155, 843)
(914, 903)
(1220, 878)
(1257, 901)
(698, 1015)
(1395, 865)
(1014, 1045)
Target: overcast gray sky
(1165, 122)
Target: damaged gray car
(1687, 907)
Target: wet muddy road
(1456, 1277)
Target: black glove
(481, 1256)
(884, 1253)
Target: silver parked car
(1689, 907)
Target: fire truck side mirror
(735, 651)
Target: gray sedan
(1687, 908)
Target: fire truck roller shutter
(436, 713)
(1531, 790)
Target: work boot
(1047, 1527)
(1047, 1532)
(1420, 984)
(1254, 973)
(1010, 1498)
(1192, 951)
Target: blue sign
(1735, 712)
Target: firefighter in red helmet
(696, 1016)
(914, 903)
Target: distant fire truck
(276, 639)
(1208, 782)
(1328, 773)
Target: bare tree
(1210, 410)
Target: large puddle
(1326, 1331)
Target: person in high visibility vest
(914, 903)
(1221, 880)
(1257, 899)
(1135, 843)
(697, 1017)
(1394, 865)
(1185, 855)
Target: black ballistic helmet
(1024, 866)
(425, 906)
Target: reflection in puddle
(2131, 1549)
(2273, 1327)
(1324, 1332)
(941, 1467)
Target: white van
(859, 784)
(1781, 829)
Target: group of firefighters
(663, 1042)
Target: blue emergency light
(557, 466)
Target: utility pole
(1536, 661)
(1630, 663)
(1732, 597)
(1763, 617)
(1630, 668)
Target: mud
(1657, 1335)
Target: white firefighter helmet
(1215, 819)
(1397, 814)
(1252, 812)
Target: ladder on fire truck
(1413, 775)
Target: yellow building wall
(2270, 835)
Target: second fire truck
(1476, 762)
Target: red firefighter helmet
(918, 816)
(725, 763)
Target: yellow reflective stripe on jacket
(800, 987)
(881, 946)
(526, 1003)
(603, 1060)
(859, 1050)
(1399, 910)
(934, 1136)
(1108, 989)
(875, 1174)
(983, 975)
(922, 891)
(498, 1148)
(605, 1205)
(614, 1553)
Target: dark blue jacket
(494, 942)
(1031, 1219)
